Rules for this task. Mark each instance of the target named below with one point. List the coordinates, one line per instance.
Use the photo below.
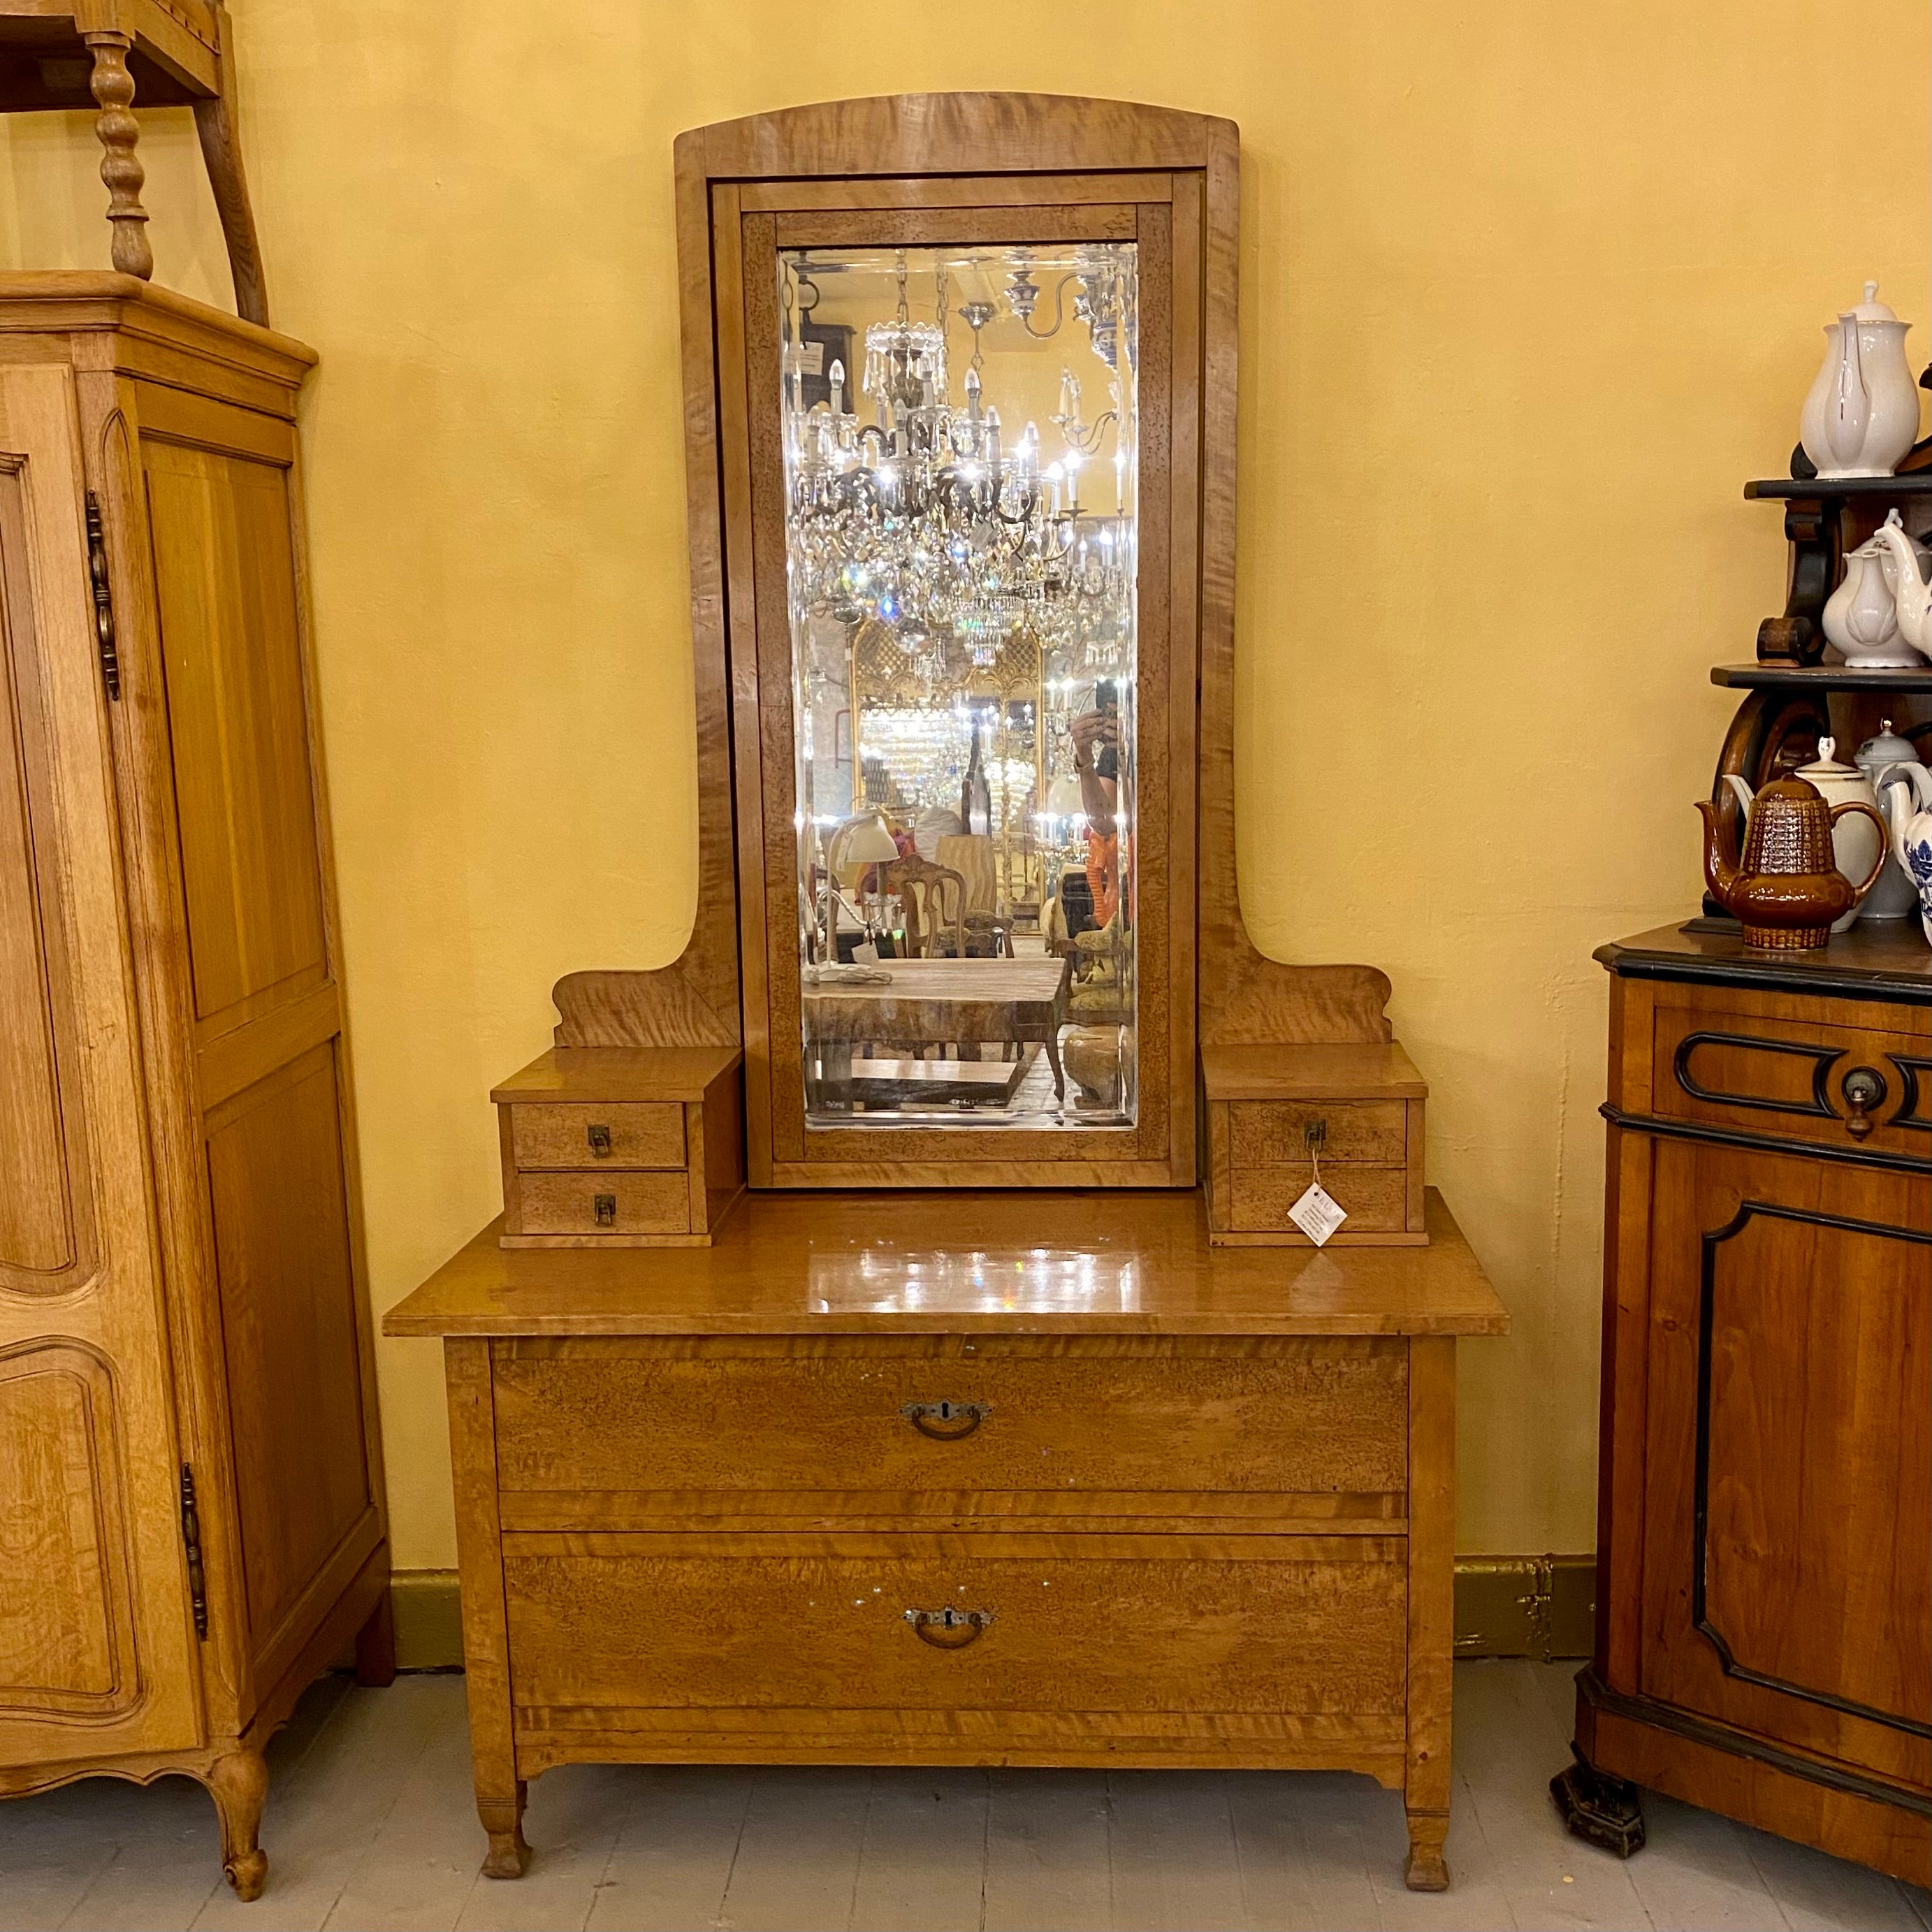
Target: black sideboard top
(1887, 961)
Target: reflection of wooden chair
(971, 855)
(925, 889)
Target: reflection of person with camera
(1096, 762)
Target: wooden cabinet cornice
(1097, 1486)
(195, 1521)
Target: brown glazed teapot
(1786, 888)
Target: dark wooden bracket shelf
(1815, 489)
(1762, 676)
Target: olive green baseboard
(1543, 1607)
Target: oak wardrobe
(193, 1524)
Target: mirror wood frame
(920, 169)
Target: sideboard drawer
(654, 1625)
(1763, 1073)
(1350, 1130)
(639, 1135)
(1376, 1198)
(605, 1204)
(1032, 1413)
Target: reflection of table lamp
(861, 841)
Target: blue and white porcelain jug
(1906, 790)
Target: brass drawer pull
(1863, 1089)
(949, 1629)
(599, 1136)
(604, 1209)
(945, 1421)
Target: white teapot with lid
(1894, 896)
(1862, 413)
(1861, 617)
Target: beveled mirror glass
(959, 444)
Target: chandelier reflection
(926, 514)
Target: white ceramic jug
(1911, 595)
(1861, 615)
(1894, 896)
(1855, 843)
(1906, 790)
(1861, 414)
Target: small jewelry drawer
(629, 1134)
(1278, 1130)
(1374, 1198)
(603, 1204)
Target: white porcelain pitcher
(1861, 414)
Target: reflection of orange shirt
(1103, 874)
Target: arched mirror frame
(913, 155)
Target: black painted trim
(1713, 1238)
(1822, 1057)
(1910, 1067)
(1839, 984)
(1640, 1710)
(1736, 1137)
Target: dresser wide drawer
(603, 1204)
(913, 1413)
(1376, 1198)
(633, 1134)
(1277, 1130)
(1128, 1625)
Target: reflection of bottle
(975, 795)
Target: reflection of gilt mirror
(963, 455)
(960, 564)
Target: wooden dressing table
(962, 1437)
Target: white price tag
(1316, 1213)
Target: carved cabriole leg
(113, 89)
(239, 1784)
(1432, 1563)
(214, 122)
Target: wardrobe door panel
(44, 1240)
(97, 1629)
(287, 1293)
(225, 587)
(66, 1607)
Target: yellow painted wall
(1528, 290)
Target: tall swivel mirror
(960, 455)
(958, 442)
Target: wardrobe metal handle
(604, 1209)
(599, 1136)
(946, 1421)
(949, 1629)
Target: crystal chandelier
(929, 518)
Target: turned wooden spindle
(113, 89)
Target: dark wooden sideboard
(1764, 1607)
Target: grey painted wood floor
(369, 1825)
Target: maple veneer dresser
(908, 1410)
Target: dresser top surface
(1889, 960)
(1100, 1261)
